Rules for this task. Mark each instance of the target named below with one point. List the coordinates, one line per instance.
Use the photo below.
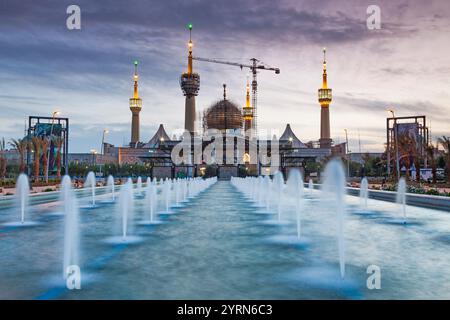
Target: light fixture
(392, 112)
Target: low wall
(418, 200)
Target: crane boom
(256, 65)
(241, 65)
(222, 62)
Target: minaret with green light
(135, 107)
(325, 100)
(190, 84)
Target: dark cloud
(396, 71)
(42, 63)
(259, 18)
(115, 32)
(401, 108)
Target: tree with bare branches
(445, 143)
(431, 155)
(3, 160)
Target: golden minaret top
(324, 83)
(135, 78)
(190, 45)
(325, 95)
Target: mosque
(225, 117)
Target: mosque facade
(225, 118)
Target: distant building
(339, 150)
(359, 157)
(11, 156)
(91, 158)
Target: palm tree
(3, 160)
(392, 160)
(21, 146)
(44, 145)
(445, 142)
(416, 158)
(58, 141)
(430, 150)
(36, 148)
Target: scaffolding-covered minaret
(248, 112)
(190, 84)
(325, 100)
(135, 107)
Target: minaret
(190, 84)
(135, 107)
(248, 111)
(325, 100)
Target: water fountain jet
(279, 185)
(90, 182)
(401, 197)
(22, 195)
(364, 192)
(139, 186)
(334, 187)
(110, 185)
(71, 226)
(295, 184)
(151, 197)
(310, 186)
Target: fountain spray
(295, 183)
(334, 187)
(71, 225)
(111, 187)
(90, 182)
(22, 195)
(364, 191)
(401, 197)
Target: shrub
(433, 192)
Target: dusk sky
(87, 73)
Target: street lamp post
(102, 149)
(396, 143)
(348, 153)
(54, 114)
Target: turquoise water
(219, 247)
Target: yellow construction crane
(254, 67)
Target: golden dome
(223, 115)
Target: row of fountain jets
(260, 190)
(174, 193)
